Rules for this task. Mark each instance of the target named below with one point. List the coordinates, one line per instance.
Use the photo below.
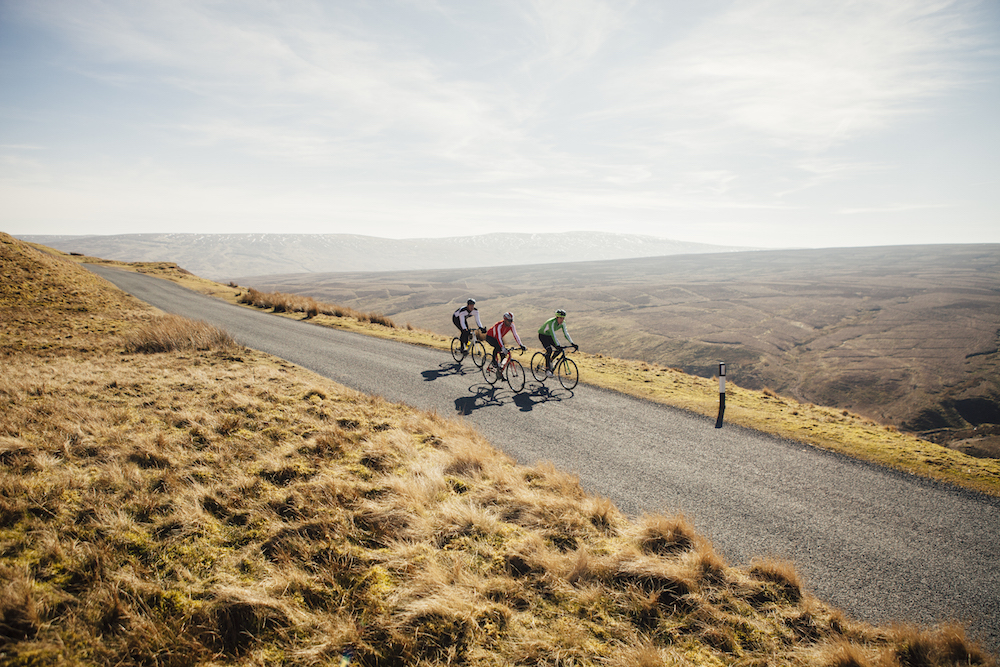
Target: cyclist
(460, 319)
(496, 333)
(547, 336)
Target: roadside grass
(828, 428)
(213, 505)
(173, 332)
(280, 302)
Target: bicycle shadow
(527, 400)
(485, 396)
(444, 370)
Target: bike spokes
(478, 354)
(515, 375)
(567, 373)
(491, 373)
(456, 350)
(538, 366)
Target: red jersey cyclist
(496, 333)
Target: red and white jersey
(501, 329)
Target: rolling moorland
(169, 498)
(223, 256)
(907, 336)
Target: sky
(763, 123)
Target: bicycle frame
(561, 366)
(508, 369)
(473, 339)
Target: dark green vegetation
(210, 505)
(905, 335)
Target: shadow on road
(486, 396)
(527, 400)
(444, 370)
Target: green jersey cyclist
(547, 336)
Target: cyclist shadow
(526, 400)
(444, 370)
(485, 396)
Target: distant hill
(907, 335)
(226, 256)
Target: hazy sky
(768, 123)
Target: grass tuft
(280, 302)
(171, 333)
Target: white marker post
(722, 393)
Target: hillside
(211, 505)
(904, 335)
(225, 256)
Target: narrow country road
(881, 545)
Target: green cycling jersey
(550, 326)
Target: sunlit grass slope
(829, 428)
(170, 498)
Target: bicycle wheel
(567, 373)
(478, 354)
(538, 366)
(456, 349)
(490, 372)
(515, 375)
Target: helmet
(470, 302)
(560, 313)
(508, 317)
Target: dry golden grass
(213, 505)
(173, 332)
(280, 302)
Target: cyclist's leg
(496, 349)
(465, 337)
(547, 344)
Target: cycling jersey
(501, 329)
(462, 313)
(550, 327)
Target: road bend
(881, 545)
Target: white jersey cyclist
(460, 318)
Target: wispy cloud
(893, 208)
(808, 74)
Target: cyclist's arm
(513, 330)
(565, 333)
(478, 322)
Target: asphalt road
(879, 544)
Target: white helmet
(508, 317)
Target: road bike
(474, 347)
(510, 369)
(563, 368)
